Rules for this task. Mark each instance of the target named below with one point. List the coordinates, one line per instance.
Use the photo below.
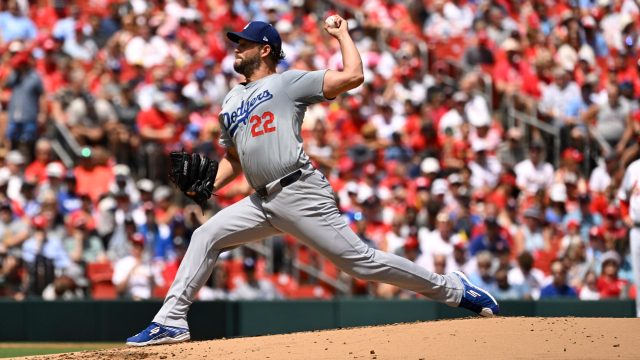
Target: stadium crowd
(426, 158)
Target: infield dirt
(497, 338)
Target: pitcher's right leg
(237, 224)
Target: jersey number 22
(261, 125)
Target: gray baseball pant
(307, 210)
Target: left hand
(194, 174)
(340, 29)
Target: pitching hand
(339, 29)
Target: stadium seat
(100, 275)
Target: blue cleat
(159, 334)
(476, 299)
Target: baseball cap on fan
(259, 32)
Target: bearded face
(247, 62)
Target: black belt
(284, 182)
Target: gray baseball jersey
(262, 119)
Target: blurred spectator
(43, 156)
(612, 230)
(439, 242)
(158, 131)
(123, 137)
(535, 236)
(485, 168)
(28, 200)
(254, 288)
(361, 229)
(26, 110)
(557, 208)
(503, 289)
(64, 27)
(11, 281)
(584, 216)
(589, 290)
(124, 183)
(484, 271)
(13, 230)
(478, 53)
(492, 240)
(514, 77)
(451, 122)
(558, 287)
(609, 284)
(13, 171)
(146, 48)
(205, 89)
(461, 260)
(612, 117)
(447, 20)
(534, 173)
(440, 264)
(80, 46)
(558, 96)
(216, 288)
(572, 237)
(83, 113)
(395, 238)
(14, 25)
(528, 278)
(577, 264)
(600, 177)
(43, 254)
(82, 244)
(386, 122)
(147, 93)
(68, 198)
(42, 244)
(133, 275)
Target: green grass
(29, 349)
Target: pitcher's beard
(247, 66)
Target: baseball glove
(194, 175)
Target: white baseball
(331, 21)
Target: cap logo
(246, 26)
(264, 38)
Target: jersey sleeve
(225, 139)
(304, 86)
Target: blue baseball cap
(259, 32)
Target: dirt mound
(498, 338)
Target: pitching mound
(499, 338)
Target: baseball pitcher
(260, 121)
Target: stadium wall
(91, 321)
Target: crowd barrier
(95, 321)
